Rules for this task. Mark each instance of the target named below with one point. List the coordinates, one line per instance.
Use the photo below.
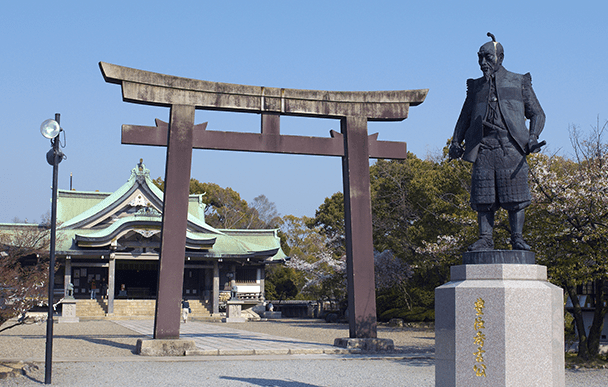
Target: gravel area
(302, 372)
(86, 340)
(101, 353)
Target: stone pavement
(102, 353)
(217, 339)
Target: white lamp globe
(50, 128)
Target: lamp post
(51, 129)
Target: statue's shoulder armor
(470, 82)
(473, 84)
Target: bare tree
(266, 211)
(569, 226)
(24, 269)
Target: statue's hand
(455, 151)
(534, 146)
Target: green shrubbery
(415, 314)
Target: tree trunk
(577, 313)
(595, 332)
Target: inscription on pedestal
(479, 338)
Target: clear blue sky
(50, 54)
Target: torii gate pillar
(180, 135)
(358, 225)
(175, 217)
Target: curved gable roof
(152, 196)
(122, 226)
(136, 207)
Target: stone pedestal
(68, 311)
(233, 311)
(499, 324)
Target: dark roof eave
(200, 243)
(265, 253)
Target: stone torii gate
(180, 135)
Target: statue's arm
(533, 111)
(463, 123)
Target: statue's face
(489, 58)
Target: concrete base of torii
(164, 347)
(366, 344)
(499, 324)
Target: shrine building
(111, 242)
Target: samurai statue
(492, 125)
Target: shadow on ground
(104, 339)
(417, 361)
(270, 382)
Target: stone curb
(279, 351)
(236, 352)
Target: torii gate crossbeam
(180, 135)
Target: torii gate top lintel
(145, 87)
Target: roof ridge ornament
(140, 172)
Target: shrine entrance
(139, 277)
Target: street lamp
(50, 129)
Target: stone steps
(133, 308)
(199, 308)
(91, 308)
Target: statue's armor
(500, 177)
(492, 124)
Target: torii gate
(180, 135)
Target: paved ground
(101, 353)
(217, 339)
(288, 337)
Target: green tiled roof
(72, 203)
(99, 219)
